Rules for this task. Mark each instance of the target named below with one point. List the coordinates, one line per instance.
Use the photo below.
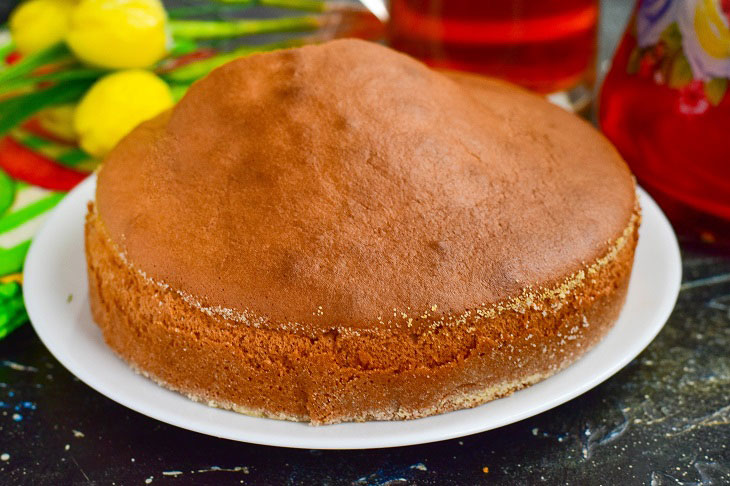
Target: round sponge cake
(339, 233)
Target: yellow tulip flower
(37, 24)
(116, 104)
(119, 34)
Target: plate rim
(79, 197)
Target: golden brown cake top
(348, 185)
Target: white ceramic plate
(55, 269)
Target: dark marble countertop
(662, 420)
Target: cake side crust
(345, 374)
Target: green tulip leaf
(18, 109)
(7, 192)
(11, 259)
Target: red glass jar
(665, 104)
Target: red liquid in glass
(545, 45)
(676, 143)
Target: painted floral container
(665, 104)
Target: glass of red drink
(547, 45)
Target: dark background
(663, 420)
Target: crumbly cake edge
(462, 401)
(528, 299)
